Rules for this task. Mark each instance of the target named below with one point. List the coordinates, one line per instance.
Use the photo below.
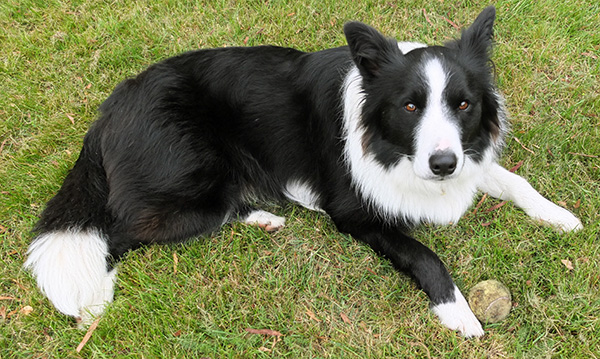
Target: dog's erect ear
(478, 38)
(369, 48)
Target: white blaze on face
(436, 130)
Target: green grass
(59, 60)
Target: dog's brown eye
(410, 107)
(463, 105)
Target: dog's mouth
(435, 178)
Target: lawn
(306, 291)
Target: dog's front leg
(421, 263)
(505, 185)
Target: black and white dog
(380, 135)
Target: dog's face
(435, 106)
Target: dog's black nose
(443, 163)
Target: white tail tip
(71, 270)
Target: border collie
(379, 135)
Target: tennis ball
(490, 301)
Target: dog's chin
(430, 177)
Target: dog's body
(379, 135)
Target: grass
(328, 296)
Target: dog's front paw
(568, 223)
(557, 217)
(458, 316)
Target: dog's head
(436, 106)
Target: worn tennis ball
(490, 301)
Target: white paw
(458, 316)
(557, 217)
(266, 220)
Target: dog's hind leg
(162, 225)
(505, 185)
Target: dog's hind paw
(458, 316)
(266, 220)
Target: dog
(380, 135)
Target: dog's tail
(69, 256)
